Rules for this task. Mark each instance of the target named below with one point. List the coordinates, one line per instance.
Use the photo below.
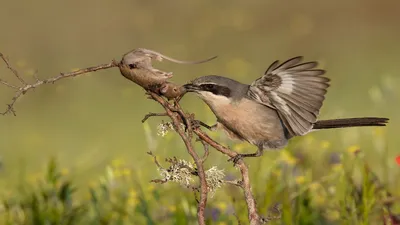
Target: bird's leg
(238, 157)
(198, 123)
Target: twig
(233, 182)
(206, 150)
(253, 215)
(147, 116)
(175, 115)
(21, 90)
(14, 71)
(155, 159)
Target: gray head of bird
(217, 88)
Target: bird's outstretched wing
(296, 90)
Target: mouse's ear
(164, 88)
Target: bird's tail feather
(350, 122)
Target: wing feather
(296, 90)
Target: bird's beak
(191, 87)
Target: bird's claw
(195, 124)
(235, 159)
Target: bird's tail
(350, 122)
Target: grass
(347, 192)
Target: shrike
(285, 102)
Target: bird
(136, 65)
(283, 103)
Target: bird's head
(216, 89)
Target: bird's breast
(248, 120)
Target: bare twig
(25, 87)
(234, 182)
(147, 116)
(206, 150)
(14, 71)
(155, 159)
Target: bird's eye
(208, 86)
(132, 66)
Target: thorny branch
(24, 87)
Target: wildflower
(172, 208)
(132, 201)
(287, 158)
(277, 172)
(337, 167)
(354, 149)
(398, 160)
(117, 162)
(300, 179)
(221, 206)
(64, 171)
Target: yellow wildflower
(64, 171)
(132, 202)
(221, 206)
(354, 149)
(117, 162)
(300, 179)
(277, 172)
(337, 167)
(287, 158)
(172, 208)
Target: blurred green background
(88, 121)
